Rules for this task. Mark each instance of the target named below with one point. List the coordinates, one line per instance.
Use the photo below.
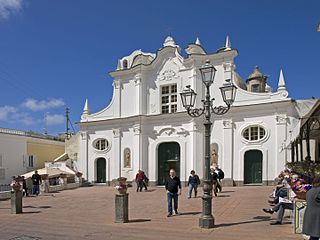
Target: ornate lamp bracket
(220, 110)
(195, 112)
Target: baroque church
(146, 127)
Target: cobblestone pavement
(88, 213)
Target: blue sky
(55, 54)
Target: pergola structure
(309, 131)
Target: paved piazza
(88, 213)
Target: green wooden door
(168, 158)
(101, 170)
(253, 167)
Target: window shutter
(35, 158)
(0, 160)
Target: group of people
(36, 181)
(141, 181)
(173, 186)
(216, 176)
(284, 194)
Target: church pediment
(169, 70)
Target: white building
(145, 126)
(21, 152)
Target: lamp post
(188, 97)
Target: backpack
(221, 174)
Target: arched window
(125, 64)
(254, 133)
(101, 144)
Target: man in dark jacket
(214, 180)
(172, 185)
(36, 181)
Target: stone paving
(88, 213)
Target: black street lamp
(188, 97)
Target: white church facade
(146, 127)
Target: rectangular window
(174, 88)
(0, 160)
(165, 109)
(169, 99)
(165, 90)
(165, 99)
(174, 108)
(30, 161)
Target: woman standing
(311, 220)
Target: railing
(30, 134)
(5, 187)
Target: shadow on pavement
(37, 207)
(257, 219)
(189, 213)
(223, 195)
(227, 191)
(139, 220)
(150, 190)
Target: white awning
(52, 172)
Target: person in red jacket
(139, 180)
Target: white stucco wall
(12, 149)
(133, 120)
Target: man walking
(172, 185)
(36, 181)
(220, 174)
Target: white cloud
(24, 118)
(11, 114)
(36, 105)
(9, 7)
(6, 111)
(55, 119)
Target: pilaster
(116, 166)
(226, 163)
(280, 139)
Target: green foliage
(307, 168)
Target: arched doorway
(252, 167)
(101, 170)
(168, 158)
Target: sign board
(299, 209)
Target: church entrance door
(168, 158)
(101, 170)
(252, 167)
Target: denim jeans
(139, 185)
(35, 189)
(192, 186)
(173, 196)
(280, 207)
